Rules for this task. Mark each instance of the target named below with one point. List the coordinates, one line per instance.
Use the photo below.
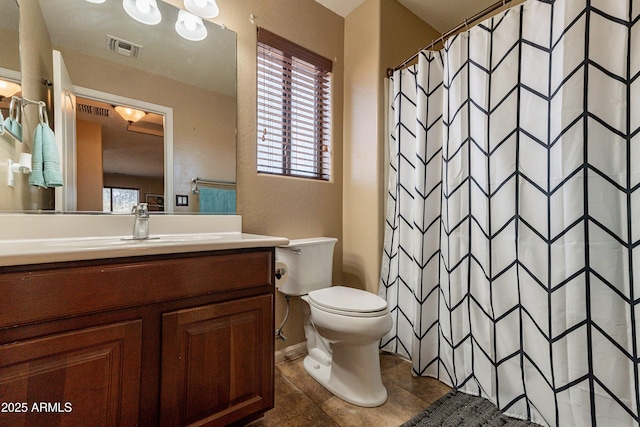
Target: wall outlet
(182, 200)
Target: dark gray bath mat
(456, 409)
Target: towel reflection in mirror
(45, 171)
(12, 123)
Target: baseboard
(291, 352)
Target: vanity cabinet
(213, 360)
(159, 340)
(86, 374)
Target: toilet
(343, 325)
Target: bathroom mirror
(106, 51)
(9, 54)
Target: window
(293, 124)
(119, 200)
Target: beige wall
(91, 177)
(361, 214)
(373, 43)
(89, 156)
(402, 34)
(9, 51)
(289, 207)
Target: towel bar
(227, 185)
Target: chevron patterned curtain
(511, 260)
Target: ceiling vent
(123, 47)
(93, 110)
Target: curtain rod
(465, 24)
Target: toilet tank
(309, 264)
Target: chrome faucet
(141, 224)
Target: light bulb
(143, 11)
(130, 114)
(143, 6)
(202, 8)
(8, 88)
(190, 26)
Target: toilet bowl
(343, 325)
(353, 336)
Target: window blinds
(293, 123)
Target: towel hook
(14, 108)
(42, 113)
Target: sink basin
(124, 241)
(88, 242)
(183, 238)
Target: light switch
(182, 200)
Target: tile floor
(301, 401)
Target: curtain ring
(466, 25)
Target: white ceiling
(442, 15)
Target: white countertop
(35, 239)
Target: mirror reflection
(9, 73)
(112, 60)
(110, 146)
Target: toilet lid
(348, 301)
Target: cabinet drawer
(84, 287)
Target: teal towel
(36, 177)
(217, 200)
(46, 163)
(14, 127)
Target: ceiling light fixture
(190, 26)
(8, 89)
(96, 1)
(130, 114)
(203, 8)
(144, 11)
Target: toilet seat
(347, 301)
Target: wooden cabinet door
(217, 362)
(80, 378)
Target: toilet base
(353, 374)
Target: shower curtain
(511, 262)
